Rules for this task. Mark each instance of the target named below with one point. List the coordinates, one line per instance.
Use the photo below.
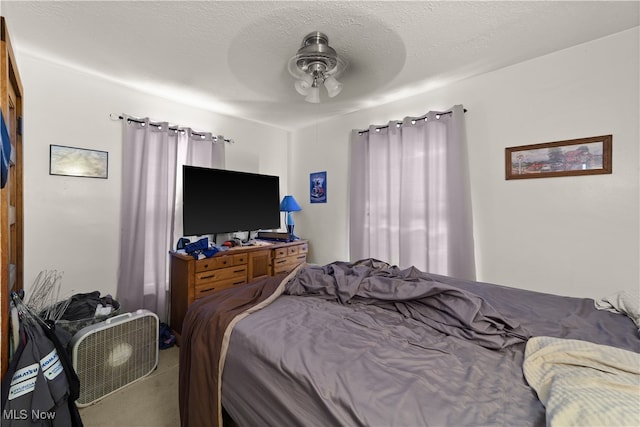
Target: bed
(368, 344)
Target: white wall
(574, 236)
(72, 224)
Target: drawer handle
(280, 261)
(206, 266)
(239, 282)
(208, 277)
(239, 271)
(301, 257)
(206, 290)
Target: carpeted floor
(150, 402)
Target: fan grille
(111, 358)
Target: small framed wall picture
(81, 162)
(584, 156)
(318, 187)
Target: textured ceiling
(231, 56)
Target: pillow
(624, 302)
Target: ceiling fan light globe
(313, 96)
(333, 86)
(302, 87)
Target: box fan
(112, 354)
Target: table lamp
(289, 205)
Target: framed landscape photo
(584, 156)
(72, 161)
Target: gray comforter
(445, 308)
(368, 344)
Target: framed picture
(318, 187)
(584, 156)
(72, 161)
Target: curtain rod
(413, 121)
(173, 128)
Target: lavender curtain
(152, 161)
(410, 198)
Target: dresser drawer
(220, 262)
(288, 263)
(298, 259)
(212, 287)
(233, 272)
(280, 252)
(239, 259)
(213, 263)
(293, 250)
(281, 269)
(280, 261)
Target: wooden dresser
(192, 279)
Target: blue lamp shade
(289, 205)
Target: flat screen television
(224, 201)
